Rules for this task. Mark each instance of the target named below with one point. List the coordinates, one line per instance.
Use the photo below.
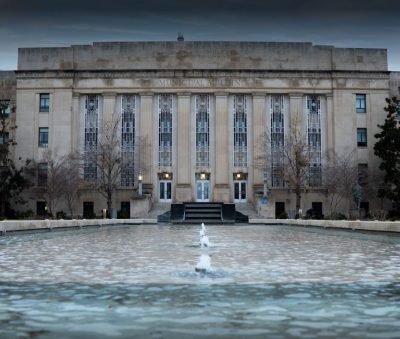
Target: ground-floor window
(88, 210)
(280, 212)
(125, 212)
(41, 208)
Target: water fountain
(204, 264)
(138, 281)
(204, 241)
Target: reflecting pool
(267, 281)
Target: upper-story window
(239, 131)
(202, 130)
(277, 139)
(91, 136)
(44, 102)
(128, 103)
(314, 139)
(5, 107)
(43, 136)
(361, 137)
(361, 106)
(165, 111)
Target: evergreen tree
(12, 179)
(388, 149)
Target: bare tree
(295, 166)
(53, 178)
(286, 159)
(105, 161)
(340, 176)
(72, 180)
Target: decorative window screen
(165, 109)
(203, 130)
(239, 131)
(277, 140)
(314, 139)
(128, 112)
(91, 137)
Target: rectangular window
(5, 107)
(44, 102)
(43, 136)
(128, 140)
(314, 139)
(361, 106)
(41, 209)
(165, 112)
(4, 137)
(42, 174)
(361, 137)
(91, 137)
(277, 140)
(239, 131)
(202, 130)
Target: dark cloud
(26, 23)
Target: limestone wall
(202, 55)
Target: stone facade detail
(200, 112)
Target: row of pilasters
(222, 173)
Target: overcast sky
(342, 23)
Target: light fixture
(202, 176)
(166, 175)
(238, 175)
(140, 178)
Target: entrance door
(202, 190)
(165, 190)
(239, 190)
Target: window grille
(202, 130)
(239, 131)
(165, 109)
(314, 139)
(91, 137)
(128, 112)
(277, 140)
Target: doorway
(240, 190)
(165, 188)
(203, 190)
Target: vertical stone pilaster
(75, 123)
(183, 190)
(329, 123)
(108, 106)
(222, 161)
(259, 130)
(296, 114)
(146, 142)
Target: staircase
(207, 212)
(203, 212)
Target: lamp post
(140, 178)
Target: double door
(165, 189)
(240, 191)
(202, 190)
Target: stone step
(203, 211)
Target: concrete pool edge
(39, 225)
(378, 226)
(42, 225)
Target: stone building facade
(194, 115)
